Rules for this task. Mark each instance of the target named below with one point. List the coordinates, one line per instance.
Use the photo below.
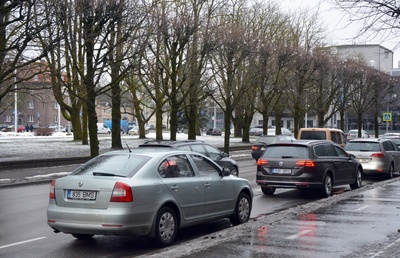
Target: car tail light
(121, 193)
(253, 148)
(377, 155)
(305, 163)
(52, 194)
(262, 162)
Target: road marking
(387, 247)
(304, 232)
(362, 208)
(23, 242)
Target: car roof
(169, 143)
(320, 129)
(156, 152)
(369, 139)
(303, 142)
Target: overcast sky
(340, 30)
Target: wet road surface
(360, 223)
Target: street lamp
(15, 104)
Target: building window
(56, 119)
(31, 119)
(56, 105)
(7, 119)
(30, 105)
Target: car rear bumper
(99, 221)
(304, 181)
(287, 184)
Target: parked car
(331, 134)
(353, 134)
(134, 130)
(103, 128)
(258, 131)
(214, 131)
(3, 127)
(20, 128)
(127, 126)
(221, 158)
(377, 156)
(395, 137)
(146, 193)
(307, 164)
(262, 142)
(54, 127)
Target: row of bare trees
(170, 56)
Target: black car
(262, 142)
(307, 164)
(221, 158)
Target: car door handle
(207, 185)
(175, 187)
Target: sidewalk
(25, 146)
(355, 224)
(29, 149)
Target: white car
(134, 130)
(103, 128)
(353, 134)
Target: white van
(103, 128)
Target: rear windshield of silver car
(313, 135)
(286, 151)
(362, 146)
(113, 165)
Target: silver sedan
(377, 156)
(146, 193)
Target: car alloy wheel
(327, 186)
(390, 172)
(234, 171)
(359, 178)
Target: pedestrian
(27, 128)
(31, 128)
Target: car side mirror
(226, 172)
(224, 155)
(351, 156)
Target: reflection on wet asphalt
(365, 224)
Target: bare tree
(379, 17)
(19, 48)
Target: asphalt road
(360, 223)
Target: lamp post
(15, 104)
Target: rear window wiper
(287, 157)
(105, 174)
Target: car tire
(390, 172)
(327, 185)
(242, 209)
(359, 177)
(234, 171)
(166, 226)
(82, 236)
(268, 190)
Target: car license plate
(363, 160)
(81, 195)
(281, 171)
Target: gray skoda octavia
(146, 193)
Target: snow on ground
(17, 146)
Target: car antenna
(126, 144)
